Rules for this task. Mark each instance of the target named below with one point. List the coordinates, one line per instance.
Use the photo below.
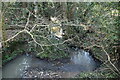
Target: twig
(108, 57)
(28, 19)
(13, 36)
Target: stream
(28, 66)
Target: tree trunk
(64, 6)
(4, 33)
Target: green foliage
(13, 49)
(53, 53)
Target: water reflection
(83, 58)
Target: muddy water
(27, 66)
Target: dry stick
(35, 40)
(47, 38)
(92, 46)
(41, 45)
(13, 36)
(30, 12)
(109, 66)
(112, 69)
(108, 57)
(17, 25)
(33, 27)
(41, 36)
(38, 25)
(20, 31)
(28, 20)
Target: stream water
(28, 66)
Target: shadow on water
(27, 66)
